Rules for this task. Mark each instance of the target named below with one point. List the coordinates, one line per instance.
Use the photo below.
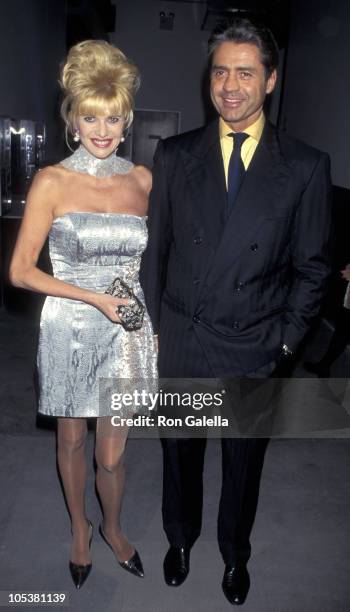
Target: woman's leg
(71, 437)
(109, 453)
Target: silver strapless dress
(78, 345)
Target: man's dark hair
(243, 30)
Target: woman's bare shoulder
(144, 177)
(46, 190)
(50, 177)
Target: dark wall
(32, 44)
(317, 85)
(171, 62)
(316, 109)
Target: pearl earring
(122, 139)
(76, 136)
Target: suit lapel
(206, 183)
(259, 196)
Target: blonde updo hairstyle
(97, 78)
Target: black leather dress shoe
(235, 584)
(176, 565)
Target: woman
(93, 206)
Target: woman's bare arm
(36, 224)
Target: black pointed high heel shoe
(133, 565)
(80, 573)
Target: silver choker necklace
(83, 161)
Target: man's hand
(284, 364)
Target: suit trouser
(242, 462)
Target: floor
(301, 538)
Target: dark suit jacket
(248, 282)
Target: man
(234, 272)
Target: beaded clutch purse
(131, 315)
